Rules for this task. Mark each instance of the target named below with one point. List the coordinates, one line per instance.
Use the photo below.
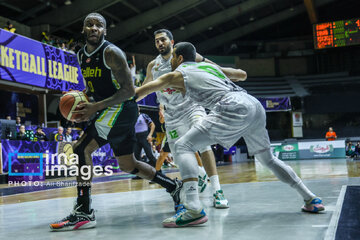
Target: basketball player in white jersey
(181, 113)
(234, 114)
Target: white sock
(192, 196)
(202, 171)
(215, 183)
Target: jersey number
(216, 73)
(212, 71)
(91, 86)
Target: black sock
(164, 181)
(83, 199)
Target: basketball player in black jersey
(108, 80)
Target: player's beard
(95, 43)
(166, 50)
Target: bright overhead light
(67, 2)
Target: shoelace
(180, 209)
(71, 215)
(219, 196)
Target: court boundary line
(331, 231)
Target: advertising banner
(30, 62)
(276, 104)
(309, 150)
(12, 149)
(322, 149)
(286, 151)
(102, 154)
(297, 119)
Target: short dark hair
(187, 50)
(94, 14)
(168, 33)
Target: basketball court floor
(261, 207)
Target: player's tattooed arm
(172, 79)
(233, 74)
(149, 76)
(116, 60)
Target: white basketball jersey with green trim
(206, 84)
(176, 105)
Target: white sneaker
(186, 217)
(220, 201)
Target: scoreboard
(337, 34)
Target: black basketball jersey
(97, 74)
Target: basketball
(69, 102)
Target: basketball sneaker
(186, 217)
(176, 194)
(314, 205)
(219, 200)
(76, 220)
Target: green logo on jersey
(212, 71)
(173, 134)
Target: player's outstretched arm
(149, 76)
(200, 58)
(172, 79)
(233, 74)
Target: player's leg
(208, 159)
(287, 175)
(203, 177)
(160, 160)
(147, 148)
(122, 139)
(137, 149)
(258, 142)
(128, 163)
(82, 216)
(185, 147)
(165, 150)
(175, 132)
(209, 163)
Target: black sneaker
(76, 220)
(176, 194)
